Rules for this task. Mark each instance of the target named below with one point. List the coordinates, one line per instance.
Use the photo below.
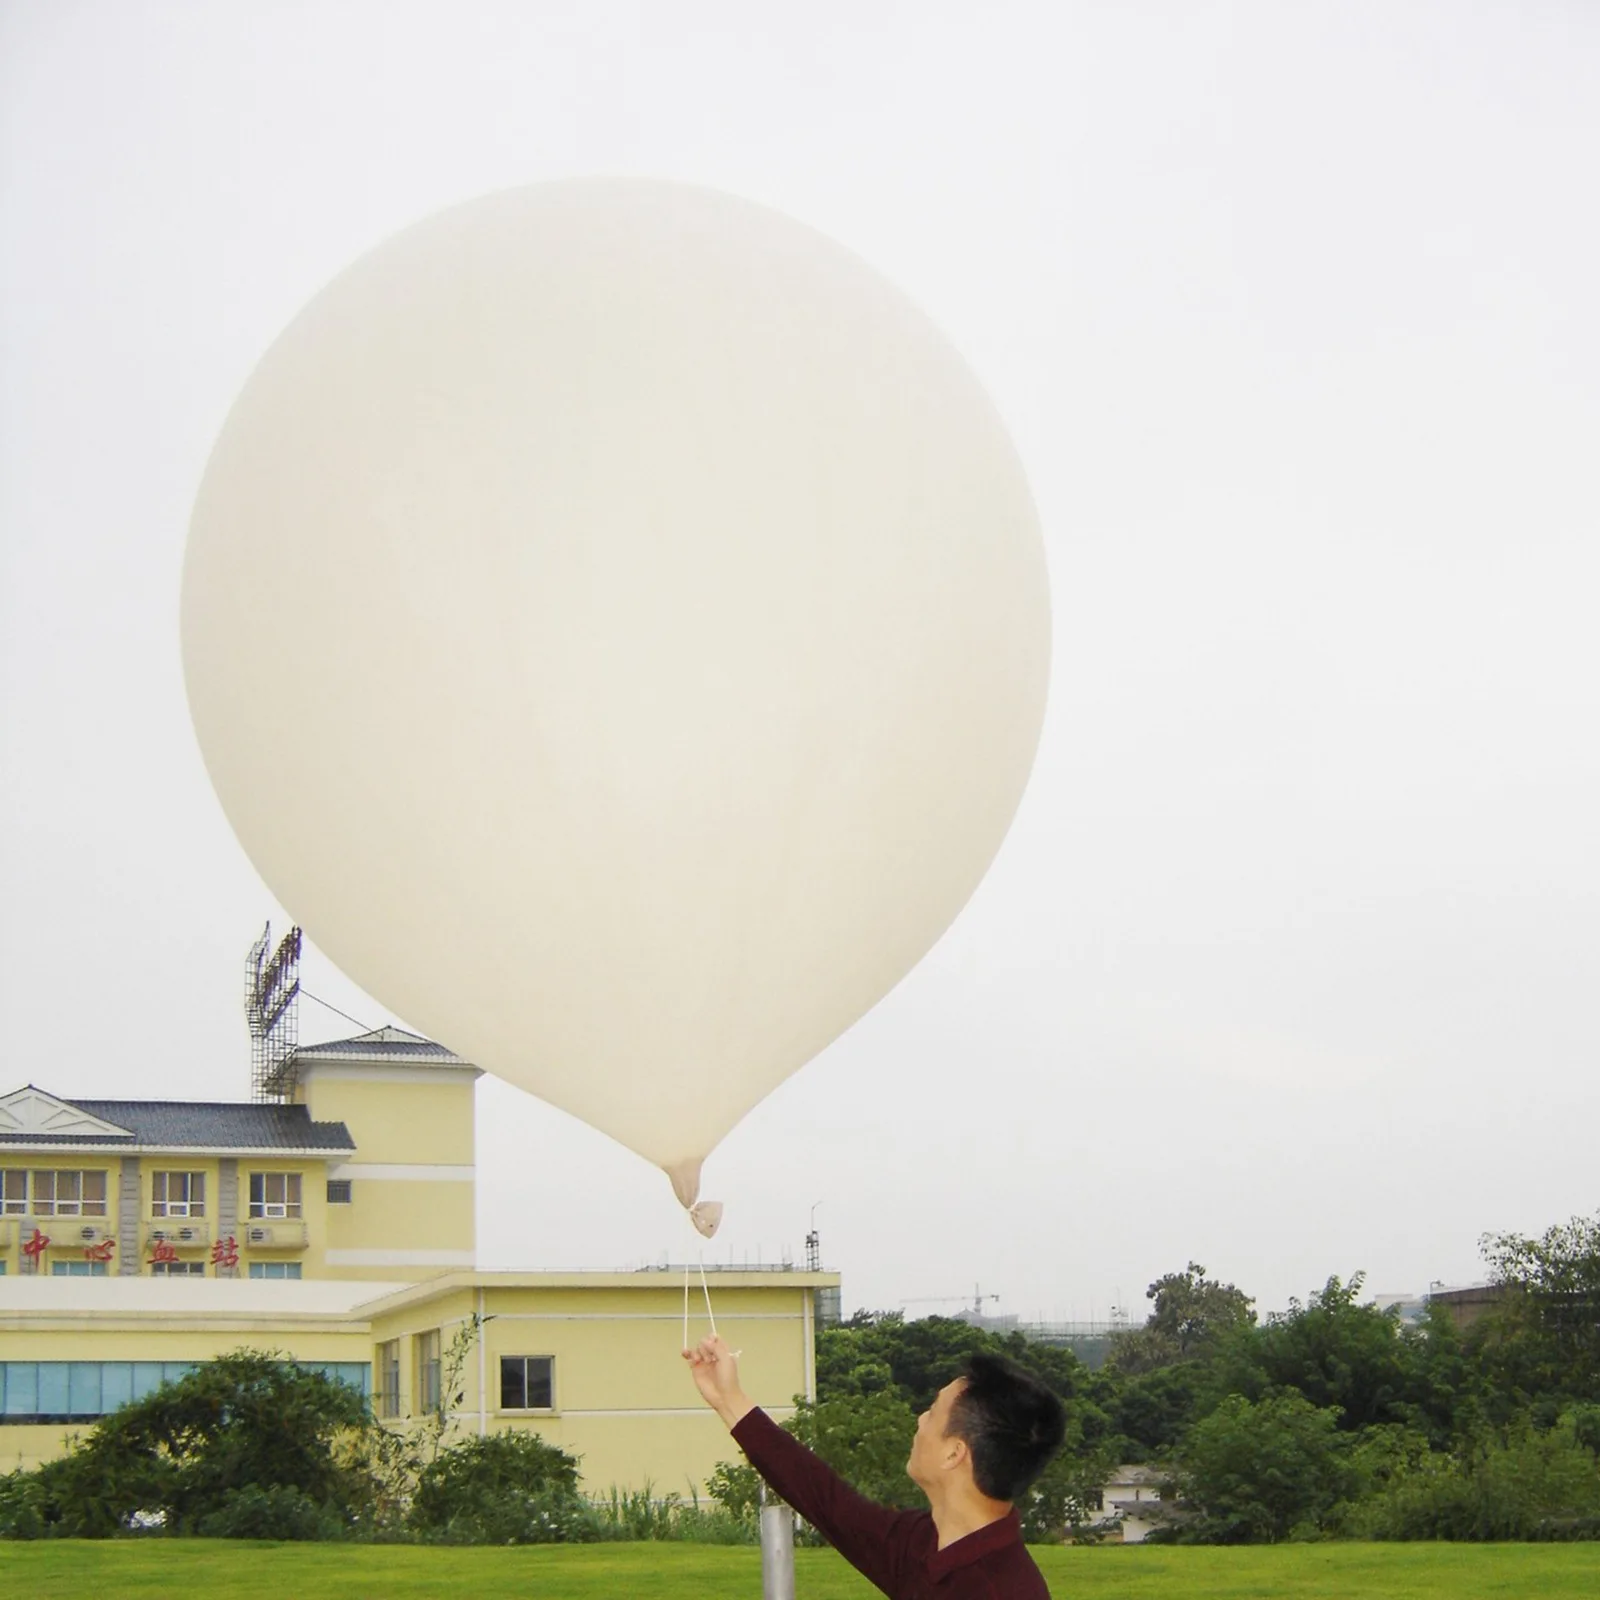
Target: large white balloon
(616, 626)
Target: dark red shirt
(897, 1550)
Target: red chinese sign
(37, 1245)
(99, 1252)
(162, 1251)
(225, 1252)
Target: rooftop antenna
(814, 1244)
(272, 1014)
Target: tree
(1257, 1471)
(866, 1439)
(249, 1419)
(1543, 1340)
(1191, 1315)
(1337, 1353)
(1150, 1412)
(487, 1489)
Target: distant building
(1469, 1305)
(1133, 1495)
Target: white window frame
(550, 1363)
(190, 1185)
(177, 1269)
(290, 1208)
(275, 1271)
(76, 1203)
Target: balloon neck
(706, 1215)
(685, 1176)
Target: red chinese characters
(161, 1250)
(36, 1245)
(99, 1252)
(225, 1252)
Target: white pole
(777, 1551)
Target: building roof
(382, 1044)
(30, 1301)
(48, 1121)
(25, 1299)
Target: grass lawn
(149, 1567)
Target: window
(177, 1269)
(389, 1379)
(338, 1191)
(53, 1194)
(64, 1391)
(78, 1269)
(274, 1269)
(275, 1194)
(178, 1194)
(525, 1383)
(427, 1372)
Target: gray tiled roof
(389, 1043)
(201, 1125)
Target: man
(985, 1438)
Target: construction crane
(978, 1297)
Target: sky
(1288, 964)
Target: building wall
(303, 1240)
(622, 1397)
(170, 1340)
(623, 1401)
(411, 1213)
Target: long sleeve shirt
(897, 1550)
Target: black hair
(1011, 1423)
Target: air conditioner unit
(91, 1234)
(260, 1235)
(190, 1235)
(160, 1233)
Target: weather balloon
(616, 627)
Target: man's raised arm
(867, 1535)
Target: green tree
(1190, 1316)
(489, 1481)
(1543, 1339)
(1151, 1411)
(246, 1419)
(1257, 1471)
(1336, 1352)
(866, 1440)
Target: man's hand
(715, 1369)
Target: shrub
(20, 1514)
(736, 1488)
(518, 1516)
(277, 1511)
(1258, 1472)
(492, 1480)
(1526, 1484)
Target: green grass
(197, 1567)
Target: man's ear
(956, 1452)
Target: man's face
(929, 1447)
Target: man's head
(996, 1423)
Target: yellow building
(336, 1224)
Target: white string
(706, 1287)
(686, 1303)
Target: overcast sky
(1289, 964)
